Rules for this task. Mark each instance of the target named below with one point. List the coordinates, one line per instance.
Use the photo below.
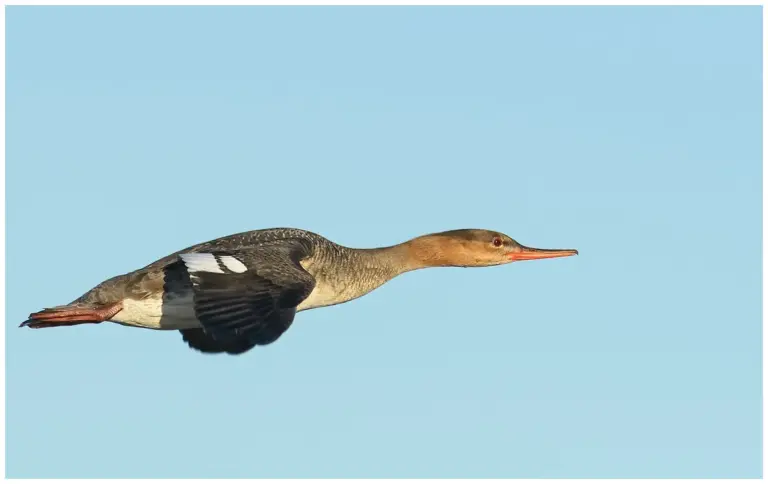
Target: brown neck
(435, 250)
(422, 252)
(351, 273)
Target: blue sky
(632, 134)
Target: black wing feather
(241, 310)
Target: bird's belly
(156, 313)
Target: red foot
(70, 316)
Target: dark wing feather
(252, 305)
(201, 341)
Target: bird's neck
(419, 253)
(434, 250)
(343, 273)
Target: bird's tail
(70, 315)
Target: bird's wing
(248, 297)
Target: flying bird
(237, 292)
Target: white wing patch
(233, 264)
(201, 263)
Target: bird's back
(167, 276)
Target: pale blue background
(631, 134)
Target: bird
(237, 292)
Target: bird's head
(475, 248)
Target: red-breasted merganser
(233, 293)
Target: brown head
(474, 248)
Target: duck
(241, 291)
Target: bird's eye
(497, 242)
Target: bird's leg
(72, 315)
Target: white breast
(321, 295)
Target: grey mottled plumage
(240, 311)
